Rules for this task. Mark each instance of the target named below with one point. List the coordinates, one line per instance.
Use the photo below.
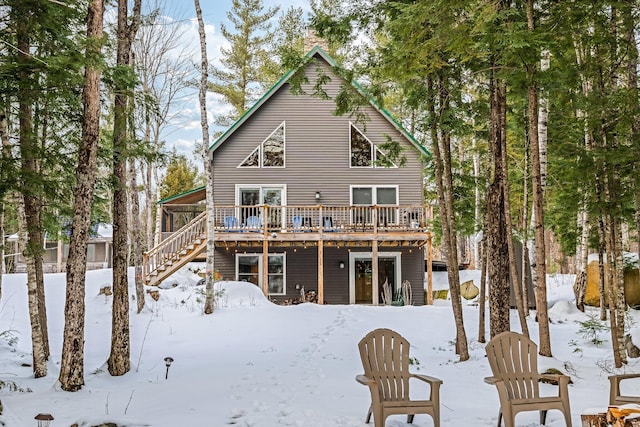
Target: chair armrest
(491, 380)
(623, 377)
(364, 380)
(614, 385)
(426, 378)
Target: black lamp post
(167, 360)
(44, 419)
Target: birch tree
(202, 97)
(538, 158)
(30, 187)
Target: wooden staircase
(174, 252)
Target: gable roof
(315, 51)
(186, 197)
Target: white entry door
(361, 289)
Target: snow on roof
(100, 231)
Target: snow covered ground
(253, 363)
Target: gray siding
(316, 149)
(316, 159)
(302, 268)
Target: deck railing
(172, 248)
(347, 219)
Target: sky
(254, 363)
(184, 130)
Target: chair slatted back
(514, 359)
(385, 358)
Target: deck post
(265, 267)
(429, 269)
(375, 286)
(60, 249)
(320, 272)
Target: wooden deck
(288, 226)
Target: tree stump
(105, 290)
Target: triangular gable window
(365, 154)
(252, 160)
(270, 153)
(361, 149)
(383, 161)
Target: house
(302, 202)
(56, 250)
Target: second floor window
(270, 153)
(361, 149)
(364, 154)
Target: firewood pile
(309, 296)
(616, 416)
(623, 416)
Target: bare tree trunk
(482, 297)
(5, 156)
(513, 271)
(602, 280)
(525, 225)
(630, 23)
(72, 360)
(150, 201)
(611, 288)
(444, 184)
(208, 168)
(119, 361)
(136, 234)
(582, 256)
(496, 231)
(538, 166)
(617, 327)
(31, 206)
(2, 241)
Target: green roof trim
(177, 196)
(316, 49)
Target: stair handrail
(171, 247)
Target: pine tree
(72, 361)
(181, 175)
(245, 64)
(119, 361)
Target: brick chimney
(311, 39)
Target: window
(361, 149)
(270, 153)
(364, 153)
(252, 198)
(385, 197)
(249, 268)
(374, 195)
(253, 160)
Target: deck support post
(265, 267)
(429, 269)
(320, 272)
(374, 272)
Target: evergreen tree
(72, 362)
(245, 64)
(119, 361)
(181, 176)
(39, 94)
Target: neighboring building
(56, 250)
(301, 201)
